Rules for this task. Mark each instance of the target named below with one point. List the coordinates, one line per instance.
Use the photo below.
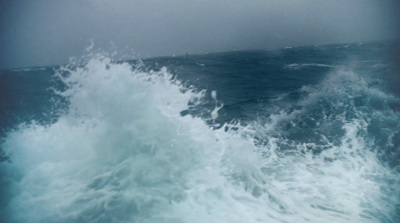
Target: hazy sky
(44, 32)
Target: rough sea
(298, 134)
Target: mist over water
(49, 32)
(300, 134)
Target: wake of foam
(123, 153)
(296, 66)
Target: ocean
(298, 134)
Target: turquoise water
(305, 134)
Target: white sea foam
(123, 153)
(299, 66)
(29, 69)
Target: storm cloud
(45, 32)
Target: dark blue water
(308, 134)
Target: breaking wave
(122, 152)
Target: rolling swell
(123, 152)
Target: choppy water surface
(302, 134)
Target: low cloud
(47, 32)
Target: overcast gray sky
(45, 32)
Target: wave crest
(123, 152)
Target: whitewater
(169, 140)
